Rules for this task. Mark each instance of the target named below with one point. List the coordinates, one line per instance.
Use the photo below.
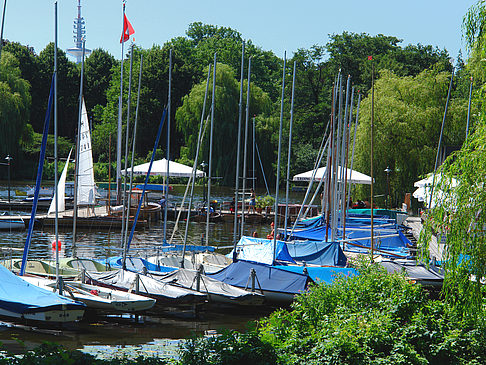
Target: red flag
(370, 58)
(127, 30)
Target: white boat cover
(126, 280)
(159, 167)
(188, 279)
(86, 189)
(353, 176)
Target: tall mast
(213, 103)
(371, 153)
(288, 155)
(168, 146)
(238, 147)
(119, 129)
(275, 221)
(469, 107)
(3, 23)
(126, 206)
(245, 147)
(55, 145)
(78, 143)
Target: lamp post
(387, 171)
(8, 158)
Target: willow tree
(459, 214)
(14, 105)
(408, 115)
(225, 120)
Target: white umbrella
(424, 186)
(159, 167)
(353, 176)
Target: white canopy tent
(424, 186)
(159, 167)
(353, 176)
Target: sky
(278, 26)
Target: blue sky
(277, 26)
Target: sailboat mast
(3, 23)
(168, 147)
(56, 224)
(275, 220)
(289, 151)
(119, 129)
(245, 147)
(126, 206)
(213, 102)
(238, 147)
(194, 166)
(469, 107)
(133, 143)
(253, 155)
(78, 143)
(371, 153)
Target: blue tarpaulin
(135, 264)
(321, 274)
(317, 253)
(269, 278)
(18, 296)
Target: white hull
(12, 224)
(98, 298)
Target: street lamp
(387, 171)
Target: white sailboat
(61, 189)
(86, 188)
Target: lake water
(113, 333)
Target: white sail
(86, 193)
(61, 188)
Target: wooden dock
(87, 218)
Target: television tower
(79, 32)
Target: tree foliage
(15, 103)
(408, 116)
(225, 120)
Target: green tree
(14, 105)
(225, 118)
(68, 91)
(98, 73)
(408, 116)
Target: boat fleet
(257, 273)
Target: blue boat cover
(18, 296)
(317, 253)
(397, 245)
(269, 277)
(321, 274)
(135, 264)
(261, 250)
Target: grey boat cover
(413, 271)
(126, 280)
(188, 279)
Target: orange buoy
(59, 244)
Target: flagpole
(119, 129)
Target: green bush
(373, 318)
